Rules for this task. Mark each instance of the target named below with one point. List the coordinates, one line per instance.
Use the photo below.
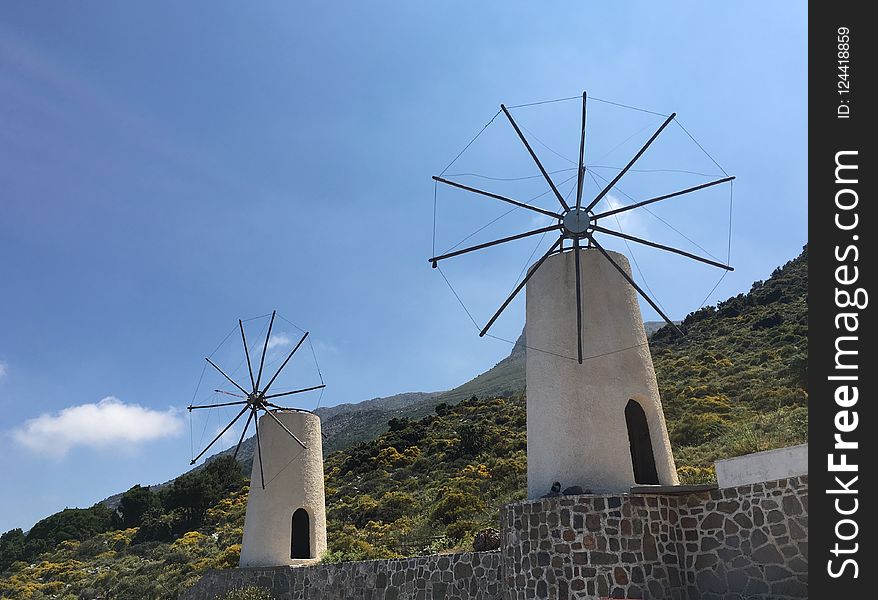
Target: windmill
(586, 416)
(580, 223)
(257, 399)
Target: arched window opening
(301, 535)
(642, 457)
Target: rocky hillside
(736, 383)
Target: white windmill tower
(595, 423)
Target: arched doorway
(301, 535)
(642, 457)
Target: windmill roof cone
(581, 429)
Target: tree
(190, 495)
(11, 547)
(135, 503)
(69, 524)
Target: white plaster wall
(293, 479)
(762, 466)
(576, 429)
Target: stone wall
(747, 542)
(593, 546)
(743, 543)
(738, 543)
(464, 576)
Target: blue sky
(167, 168)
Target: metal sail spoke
(578, 301)
(264, 350)
(232, 381)
(625, 236)
(227, 393)
(281, 368)
(630, 163)
(635, 286)
(259, 451)
(581, 172)
(276, 406)
(548, 213)
(520, 286)
(494, 243)
(247, 354)
(284, 427)
(244, 432)
(219, 435)
(308, 389)
(190, 408)
(665, 197)
(536, 159)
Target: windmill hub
(577, 222)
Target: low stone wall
(748, 542)
(464, 576)
(744, 543)
(593, 546)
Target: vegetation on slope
(737, 383)
(154, 545)
(429, 484)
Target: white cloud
(278, 340)
(4, 368)
(630, 222)
(541, 220)
(107, 423)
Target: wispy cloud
(630, 222)
(4, 368)
(540, 220)
(106, 423)
(278, 340)
(229, 438)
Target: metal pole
(232, 381)
(308, 389)
(631, 162)
(536, 160)
(495, 196)
(259, 451)
(663, 247)
(194, 460)
(581, 171)
(520, 286)
(635, 286)
(244, 432)
(284, 427)
(264, 349)
(494, 243)
(247, 354)
(578, 300)
(665, 197)
(268, 385)
(191, 407)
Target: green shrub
(690, 475)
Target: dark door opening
(301, 535)
(642, 457)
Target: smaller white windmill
(286, 514)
